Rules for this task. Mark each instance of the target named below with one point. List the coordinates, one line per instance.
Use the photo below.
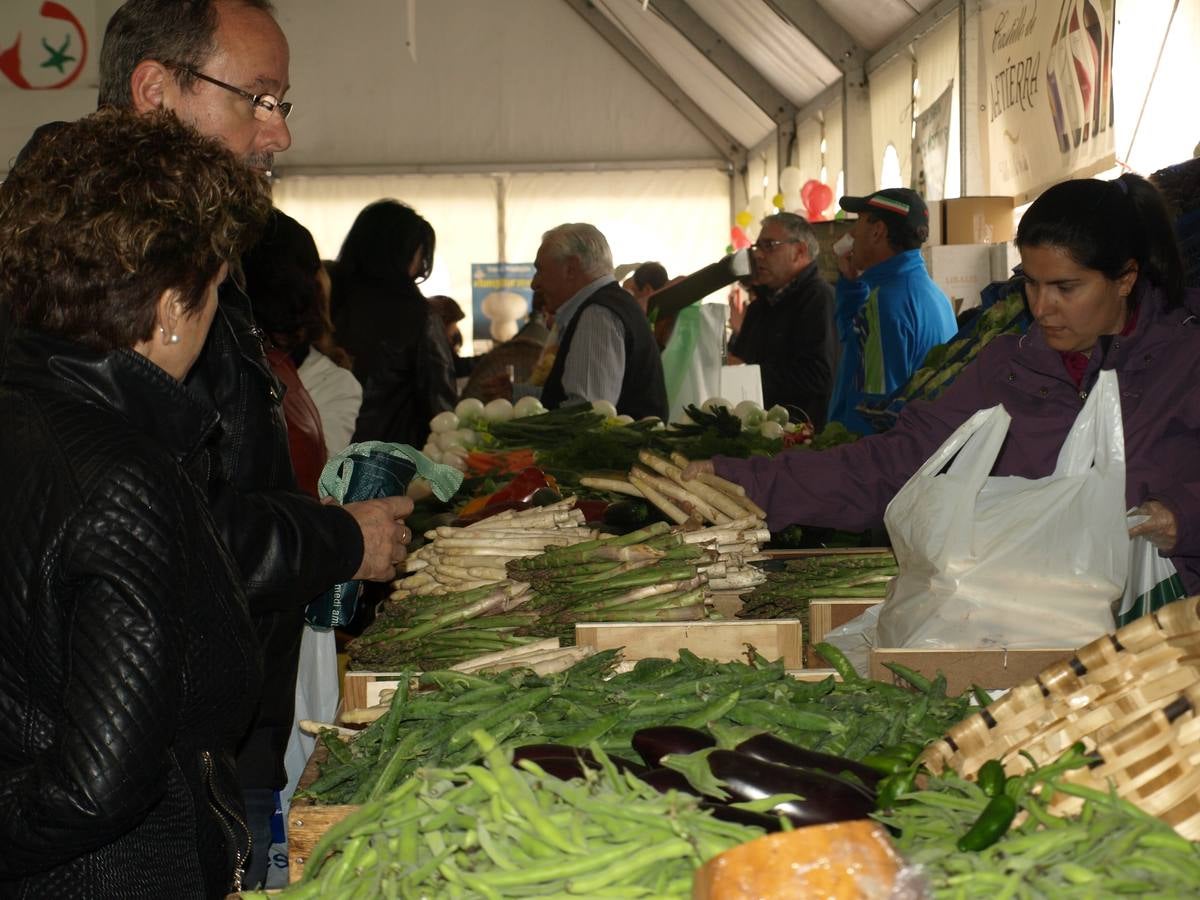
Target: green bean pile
(506, 832)
(852, 718)
(1111, 849)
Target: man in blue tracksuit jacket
(889, 312)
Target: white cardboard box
(961, 271)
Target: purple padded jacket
(1158, 368)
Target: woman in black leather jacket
(128, 670)
(401, 355)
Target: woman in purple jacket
(1104, 282)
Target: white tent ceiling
(483, 85)
(435, 85)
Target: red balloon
(738, 238)
(816, 197)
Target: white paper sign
(1047, 67)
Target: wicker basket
(1131, 697)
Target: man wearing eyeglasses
(788, 329)
(222, 67)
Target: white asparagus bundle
(711, 497)
(308, 726)
(542, 662)
(496, 656)
(746, 578)
(676, 492)
(652, 494)
(612, 485)
(728, 488)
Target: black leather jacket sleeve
(117, 713)
(289, 547)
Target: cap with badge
(899, 203)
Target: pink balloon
(738, 238)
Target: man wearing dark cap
(889, 311)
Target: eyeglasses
(264, 104)
(766, 245)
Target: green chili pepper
(991, 777)
(887, 763)
(991, 825)
(890, 788)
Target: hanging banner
(45, 45)
(931, 144)
(1047, 69)
(500, 299)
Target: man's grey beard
(263, 161)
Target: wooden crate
(990, 669)
(826, 615)
(307, 821)
(362, 689)
(724, 641)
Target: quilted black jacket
(288, 546)
(127, 668)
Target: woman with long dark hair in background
(401, 355)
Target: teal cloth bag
(367, 471)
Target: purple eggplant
(652, 744)
(541, 752)
(769, 748)
(827, 798)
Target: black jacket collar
(122, 380)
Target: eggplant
(726, 813)
(664, 780)
(769, 748)
(540, 752)
(827, 798)
(652, 744)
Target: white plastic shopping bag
(1011, 562)
(1152, 581)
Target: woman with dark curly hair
(401, 355)
(128, 672)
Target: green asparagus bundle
(438, 631)
(785, 594)
(650, 575)
(503, 831)
(587, 703)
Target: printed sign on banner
(931, 139)
(1047, 69)
(500, 299)
(46, 45)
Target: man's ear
(149, 84)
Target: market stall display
(854, 718)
